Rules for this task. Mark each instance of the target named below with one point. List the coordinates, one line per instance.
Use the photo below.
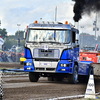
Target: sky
(24, 12)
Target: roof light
(66, 22)
(36, 22)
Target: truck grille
(40, 68)
(50, 69)
(45, 69)
(50, 53)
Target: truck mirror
(25, 32)
(24, 37)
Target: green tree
(21, 35)
(10, 42)
(22, 42)
(3, 33)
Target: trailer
(92, 56)
(52, 50)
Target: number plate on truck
(45, 64)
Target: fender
(84, 67)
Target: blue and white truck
(52, 50)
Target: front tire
(33, 77)
(73, 77)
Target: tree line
(86, 39)
(12, 39)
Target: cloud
(24, 12)
(87, 21)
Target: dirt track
(20, 88)
(10, 65)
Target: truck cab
(51, 50)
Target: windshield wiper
(44, 42)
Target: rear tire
(73, 77)
(33, 77)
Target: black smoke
(85, 6)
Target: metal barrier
(1, 81)
(1, 86)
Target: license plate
(45, 64)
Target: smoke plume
(85, 6)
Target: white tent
(1, 43)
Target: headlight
(29, 68)
(64, 65)
(28, 64)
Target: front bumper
(47, 66)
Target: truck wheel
(74, 77)
(50, 79)
(33, 77)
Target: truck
(52, 50)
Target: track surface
(18, 87)
(10, 65)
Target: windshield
(61, 36)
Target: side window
(67, 36)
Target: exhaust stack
(77, 25)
